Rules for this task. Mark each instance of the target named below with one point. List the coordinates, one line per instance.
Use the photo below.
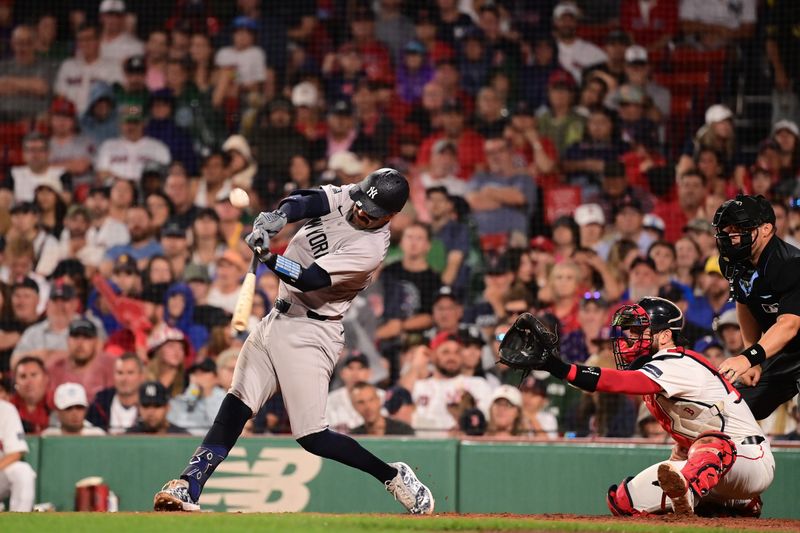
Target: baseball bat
(244, 304)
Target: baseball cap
(717, 113)
(654, 222)
(507, 392)
(497, 264)
(672, 291)
(173, 229)
(443, 145)
(82, 327)
(153, 394)
(233, 257)
(630, 94)
(161, 336)
(206, 365)
(542, 244)
(305, 94)
(397, 397)
(712, 265)
(63, 107)
(472, 422)
(728, 318)
(445, 291)
(699, 224)
(589, 214)
(561, 79)
(566, 8)
(243, 22)
(25, 283)
(786, 125)
(414, 47)
(355, 357)
(706, 342)
(59, 290)
(53, 184)
(132, 113)
(135, 65)
(534, 386)
(342, 108)
(112, 6)
(69, 395)
(195, 272)
(162, 95)
(382, 193)
(644, 261)
(628, 201)
(125, 263)
(635, 54)
(443, 337)
(618, 37)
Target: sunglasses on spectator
(592, 295)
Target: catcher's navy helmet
(382, 193)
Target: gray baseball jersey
(298, 353)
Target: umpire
(764, 274)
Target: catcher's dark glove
(528, 344)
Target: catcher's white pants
(296, 353)
(18, 480)
(752, 474)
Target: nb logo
(372, 192)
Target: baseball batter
(295, 347)
(721, 458)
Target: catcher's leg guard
(710, 457)
(619, 500)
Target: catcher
(720, 458)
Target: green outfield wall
(275, 474)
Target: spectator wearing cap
(535, 73)
(652, 25)
(224, 291)
(452, 22)
(199, 281)
(142, 245)
(591, 223)
(631, 105)
(688, 205)
(536, 418)
(399, 405)
(375, 54)
(105, 231)
(711, 26)
(452, 233)
(162, 126)
(787, 135)
(124, 157)
(343, 131)
(116, 42)
(26, 225)
(718, 134)
(637, 71)
(413, 71)
(244, 56)
(132, 90)
(175, 245)
(585, 161)
(715, 297)
(23, 300)
(71, 404)
(24, 179)
(505, 413)
(683, 298)
(643, 155)
(559, 121)
(447, 313)
(153, 411)
(441, 172)
(629, 224)
(77, 74)
(48, 339)
(115, 408)
(84, 363)
(612, 69)
(196, 408)
(27, 79)
(409, 286)
(574, 53)
(729, 331)
(642, 279)
(490, 116)
(474, 61)
(214, 183)
(340, 413)
(701, 232)
(440, 396)
(502, 198)
(367, 403)
(168, 356)
(593, 316)
(100, 122)
(469, 144)
(69, 149)
(616, 191)
(31, 397)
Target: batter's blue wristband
(287, 267)
(756, 354)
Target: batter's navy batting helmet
(382, 193)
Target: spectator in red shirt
(565, 285)
(85, 363)
(31, 398)
(651, 23)
(449, 77)
(468, 142)
(377, 60)
(687, 206)
(642, 156)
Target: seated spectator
(226, 363)
(175, 244)
(452, 233)
(792, 435)
(197, 407)
(504, 50)
(469, 144)
(167, 352)
(105, 231)
(132, 89)
(214, 183)
(399, 405)
(536, 150)
(593, 315)
(23, 180)
(179, 308)
(718, 134)
(409, 286)
(84, 363)
(616, 191)
(712, 26)
(650, 428)
(71, 404)
(711, 347)
(631, 105)
(224, 290)
(375, 127)
(584, 162)
(142, 245)
(18, 484)
(244, 55)
(76, 75)
(473, 356)
(563, 289)
(153, 411)
(679, 295)
(701, 232)
(26, 226)
(559, 121)
(117, 42)
(340, 412)
(70, 149)
(124, 157)
(688, 205)
(441, 172)
(100, 122)
(505, 413)
(24, 299)
(637, 71)
(714, 299)
(591, 226)
(574, 53)
(629, 224)
(162, 126)
(452, 22)
(502, 199)
(116, 408)
(729, 331)
(367, 403)
(31, 396)
(535, 73)
(652, 24)
(490, 117)
(642, 156)
(474, 61)
(612, 69)
(642, 279)
(48, 197)
(536, 419)
(25, 80)
(342, 71)
(413, 72)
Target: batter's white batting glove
(271, 221)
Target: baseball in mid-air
(239, 198)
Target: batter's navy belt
(282, 306)
(753, 439)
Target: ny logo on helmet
(372, 192)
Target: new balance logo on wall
(275, 482)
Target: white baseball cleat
(676, 488)
(174, 496)
(408, 490)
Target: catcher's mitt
(528, 344)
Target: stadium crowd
(563, 158)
